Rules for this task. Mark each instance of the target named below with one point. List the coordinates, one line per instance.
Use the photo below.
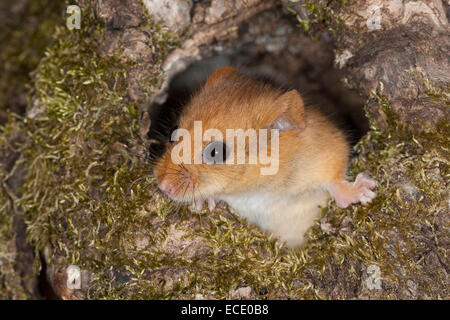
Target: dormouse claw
(197, 205)
(211, 204)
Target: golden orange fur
(313, 158)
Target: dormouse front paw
(363, 186)
(345, 193)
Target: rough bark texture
(410, 47)
(88, 199)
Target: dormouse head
(235, 135)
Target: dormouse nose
(166, 187)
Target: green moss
(439, 94)
(322, 15)
(11, 286)
(24, 36)
(90, 200)
(400, 226)
(10, 281)
(84, 189)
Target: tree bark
(401, 50)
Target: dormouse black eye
(215, 152)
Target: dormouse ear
(292, 114)
(220, 73)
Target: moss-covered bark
(89, 198)
(26, 32)
(12, 284)
(27, 28)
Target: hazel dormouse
(295, 158)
